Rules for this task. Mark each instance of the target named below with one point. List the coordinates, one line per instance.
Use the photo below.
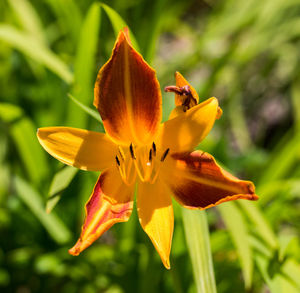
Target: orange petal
(111, 202)
(84, 149)
(127, 95)
(198, 182)
(156, 217)
(181, 82)
(187, 130)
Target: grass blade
(23, 133)
(262, 226)
(85, 64)
(58, 231)
(118, 23)
(283, 158)
(60, 182)
(35, 50)
(86, 109)
(28, 18)
(238, 230)
(197, 238)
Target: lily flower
(139, 150)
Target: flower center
(145, 161)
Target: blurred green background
(246, 53)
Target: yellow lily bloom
(137, 149)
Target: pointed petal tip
(166, 264)
(73, 251)
(177, 73)
(219, 113)
(77, 248)
(124, 36)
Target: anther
(154, 149)
(132, 151)
(118, 161)
(150, 155)
(182, 91)
(121, 154)
(164, 155)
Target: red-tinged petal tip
(198, 182)
(111, 202)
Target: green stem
(197, 238)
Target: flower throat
(144, 161)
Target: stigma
(141, 161)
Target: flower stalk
(198, 243)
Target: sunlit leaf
(60, 181)
(29, 46)
(68, 15)
(236, 224)
(283, 158)
(118, 23)
(23, 133)
(85, 65)
(86, 109)
(260, 223)
(197, 238)
(28, 18)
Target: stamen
(182, 91)
(150, 155)
(154, 149)
(164, 155)
(132, 152)
(118, 161)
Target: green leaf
(118, 24)
(58, 231)
(23, 133)
(29, 46)
(157, 19)
(86, 109)
(262, 226)
(9, 112)
(280, 276)
(28, 18)
(283, 158)
(238, 230)
(68, 16)
(197, 238)
(60, 182)
(85, 61)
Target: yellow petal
(127, 95)
(156, 217)
(187, 130)
(86, 150)
(111, 202)
(197, 182)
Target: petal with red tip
(111, 202)
(187, 130)
(197, 182)
(127, 95)
(156, 217)
(84, 149)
